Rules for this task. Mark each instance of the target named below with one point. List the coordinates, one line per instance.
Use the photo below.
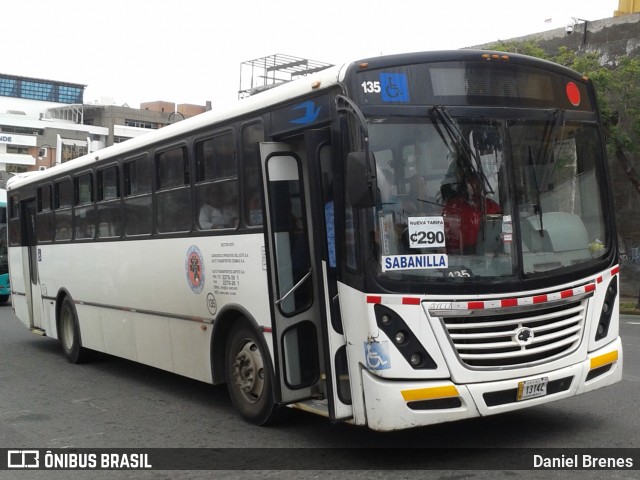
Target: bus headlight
(400, 338)
(415, 360)
(607, 309)
(403, 338)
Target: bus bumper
(392, 405)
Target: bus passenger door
(30, 248)
(319, 177)
(295, 309)
(298, 280)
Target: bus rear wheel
(249, 377)
(69, 333)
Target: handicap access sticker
(377, 355)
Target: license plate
(532, 388)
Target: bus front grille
(499, 340)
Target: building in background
(31, 138)
(44, 123)
(627, 6)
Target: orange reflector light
(364, 65)
(494, 56)
(429, 393)
(605, 359)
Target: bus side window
(15, 233)
(173, 197)
(44, 214)
(84, 211)
(252, 135)
(216, 183)
(138, 205)
(109, 215)
(63, 202)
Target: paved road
(45, 402)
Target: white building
(29, 136)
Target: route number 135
(371, 87)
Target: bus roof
(280, 94)
(315, 82)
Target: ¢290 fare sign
(426, 232)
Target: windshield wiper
(469, 155)
(548, 162)
(544, 158)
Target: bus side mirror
(361, 179)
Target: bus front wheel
(69, 333)
(248, 374)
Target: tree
(617, 86)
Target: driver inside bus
(463, 215)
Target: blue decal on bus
(194, 265)
(377, 355)
(310, 113)
(394, 87)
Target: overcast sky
(190, 51)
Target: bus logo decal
(394, 87)
(377, 355)
(524, 336)
(194, 266)
(310, 113)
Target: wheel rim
(67, 329)
(248, 371)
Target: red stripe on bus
(539, 299)
(410, 301)
(509, 302)
(615, 270)
(475, 305)
(374, 299)
(590, 287)
(566, 294)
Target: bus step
(317, 406)
(38, 331)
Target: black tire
(4, 298)
(249, 376)
(69, 333)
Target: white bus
(401, 241)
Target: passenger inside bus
(210, 217)
(222, 215)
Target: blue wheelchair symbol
(377, 356)
(394, 87)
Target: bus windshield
(485, 199)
